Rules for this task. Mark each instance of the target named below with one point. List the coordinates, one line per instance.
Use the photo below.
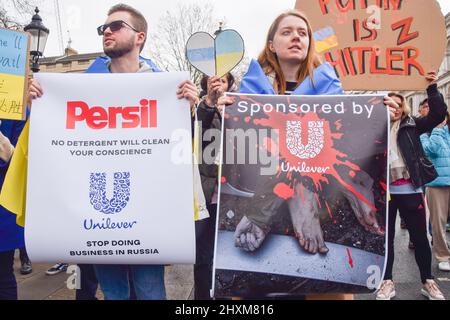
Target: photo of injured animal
(302, 206)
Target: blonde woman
(409, 171)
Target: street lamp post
(39, 34)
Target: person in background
(209, 118)
(424, 109)
(409, 172)
(437, 149)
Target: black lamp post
(39, 34)
(218, 31)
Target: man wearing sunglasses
(124, 36)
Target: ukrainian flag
(13, 194)
(325, 39)
(229, 51)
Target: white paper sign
(110, 170)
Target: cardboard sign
(378, 45)
(215, 57)
(14, 57)
(293, 191)
(115, 159)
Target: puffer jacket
(437, 149)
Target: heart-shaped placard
(215, 57)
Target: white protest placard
(110, 170)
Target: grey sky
(251, 18)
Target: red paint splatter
(270, 145)
(236, 119)
(352, 174)
(328, 158)
(223, 180)
(350, 259)
(421, 207)
(384, 186)
(283, 191)
(338, 125)
(329, 211)
(247, 119)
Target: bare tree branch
(15, 13)
(167, 43)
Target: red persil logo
(143, 116)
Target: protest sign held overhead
(378, 44)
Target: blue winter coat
(437, 149)
(100, 65)
(325, 82)
(11, 235)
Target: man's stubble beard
(119, 50)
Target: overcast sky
(251, 18)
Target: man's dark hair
(138, 20)
(204, 83)
(423, 102)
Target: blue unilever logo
(121, 196)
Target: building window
(50, 66)
(67, 64)
(83, 62)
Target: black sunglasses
(114, 26)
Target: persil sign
(127, 117)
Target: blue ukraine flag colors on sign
(215, 56)
(201, 53)
(13, 73)
(229, 51)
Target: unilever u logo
(315, 139)
(121, 196)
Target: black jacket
(209, 118)
(420, 169)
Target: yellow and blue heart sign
(215, 57)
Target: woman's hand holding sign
(432, 77)
(224, 101)
(188, 90)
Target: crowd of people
(419, 154)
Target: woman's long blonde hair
(404, 105)
(269, 60)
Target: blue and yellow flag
(13, 194)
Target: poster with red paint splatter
(302, 205)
